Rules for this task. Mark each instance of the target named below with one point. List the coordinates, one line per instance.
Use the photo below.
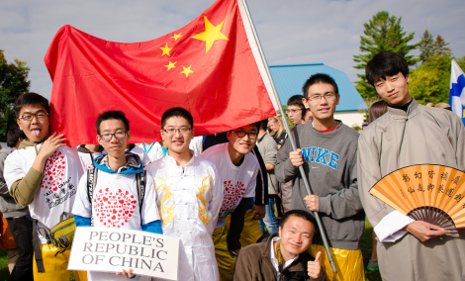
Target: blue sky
(290, 32)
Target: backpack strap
(91, 182)
(140, 181)
(38, 227)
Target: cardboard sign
(112, 250)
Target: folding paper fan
(427, 192)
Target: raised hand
(314, 267)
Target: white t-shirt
(238, 181)
(116, 205)
(57, 189)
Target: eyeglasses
(119, 135)
(182, 130)
(27, 117)
(293, 111)
(329, 96)
(241, 133)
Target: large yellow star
(211, 34)
(170, 65)
(186, 70)
(165, 50)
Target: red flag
(210, 67)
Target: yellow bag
(63, 232)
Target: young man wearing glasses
(327, 150)
(120, 195)
(238, 169)
(189, 197)
(43, 174)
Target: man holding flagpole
(457, 90)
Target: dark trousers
(21, 229)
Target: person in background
(87, 154)
(376, 110)
(296, 110)
(276, 130)
(19, 220)
(268, 149)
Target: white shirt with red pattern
(238, 181)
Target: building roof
(289, 79)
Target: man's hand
(51, 144)
(296, 158)
(126, 273)
(424, 231)
(259, 212)
(312, 202)
(314, 267)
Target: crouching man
(283, 256)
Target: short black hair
(298, 213)
(297, 101)
(385, 64)
(112, 114)
(319, 78)
(13, 135)
(264, 124)
(177, 112)
(31, 99)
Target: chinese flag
(211, 67)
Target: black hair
(112, 114)
(297, 101)
(31, 99)
(319, 78)
(264, 124)
(385, 64)
(298, 213)
(177, 112)
(13, 135)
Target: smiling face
(322, 108)
(33, 120)
(242, 140)
(296, 236)
(113, 137)
(177, 134)
(393, 89)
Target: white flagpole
(243, 7)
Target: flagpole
(290, 136)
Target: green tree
(382, 33)
(430, 47)
(13, 81)
(430, 81)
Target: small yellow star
(176, 36)
(211, 34)
(186, 70)
(170, 65)
(165, 50)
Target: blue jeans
(270, 220)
